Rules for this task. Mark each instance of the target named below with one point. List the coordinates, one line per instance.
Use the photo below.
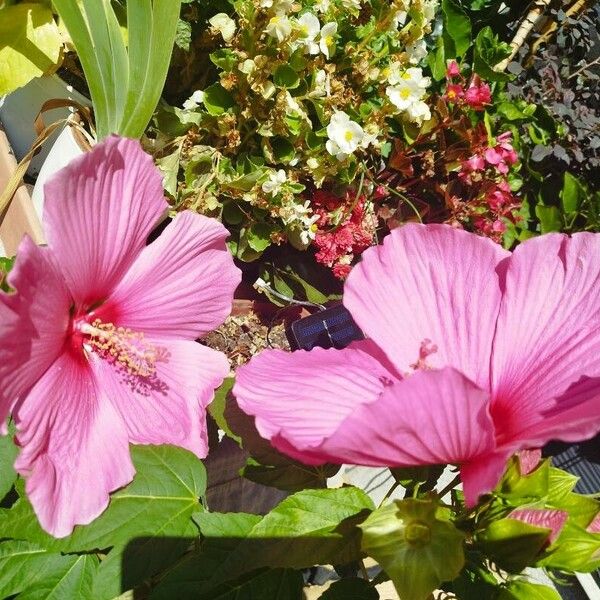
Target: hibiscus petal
(547, 519)
(432, 417)
(574, 417)
(432, 283)
(74, 447)
(548, 328)
(98, 213)
(33, 322)
(481, 475)
(304, 396)
(345, 406)
(181, 285)
(168, 407)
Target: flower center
(349, 136)
(125, 348)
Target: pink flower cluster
(477, 95)
(346, 229)
(486, 173)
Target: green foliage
(416, 548)
(125, 82)
(457, 28)
(523, 590)
(487, 53)
(310, 527)
(31, 44)
(8, 454)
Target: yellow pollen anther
(349, 136)
(123, 346)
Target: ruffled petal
(303, 397)
(169, 406)
(346, 406)
(98, 213)
(181, 285)
(574, 417)
(548, 329)
(431, 284)
(33, 322)
(74, 447)
(430, 418)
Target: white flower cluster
(406, 92)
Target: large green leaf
(8, 453)
(523, 590)
(512, 544)
(489, 51)
(457, 25)
(33, 573)
(416, 549)
(573, 194)
(150, 50)
(30, 46)
(575, 550)
(159, 502)
(308, 528)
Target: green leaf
(274, 584)
(488, 52)
(158, 502)
(169, 167)
(217, 407)
(437, 60)
(259, 236)
(183, 35)
(414, 547)
(152, 28)
(550, 218)
(283, 150)
(31, 45)
(8, 475)
(225, 59)
(308, 528)
(512, 544)
(457, 25)
(352, 588)
(575, 550)
(285, 77)
(217, 99)
(523, 590)
(520, 489)
(573, 193)
(36, 574)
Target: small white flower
(345, 135)
(279, 27)
(398, 19)
(281, 7)
(247, 66)
(419, 112)
(273, 185)
(194, 101)
(429, 8)
(225, 25)
(310, 231)
(312, 163)
(402, 95)
(322, 85)
(417, 51)
(327, 42)
(322, 6)
(309, 27)
(369, 139)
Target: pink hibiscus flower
(96, 344)
(512, 358)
